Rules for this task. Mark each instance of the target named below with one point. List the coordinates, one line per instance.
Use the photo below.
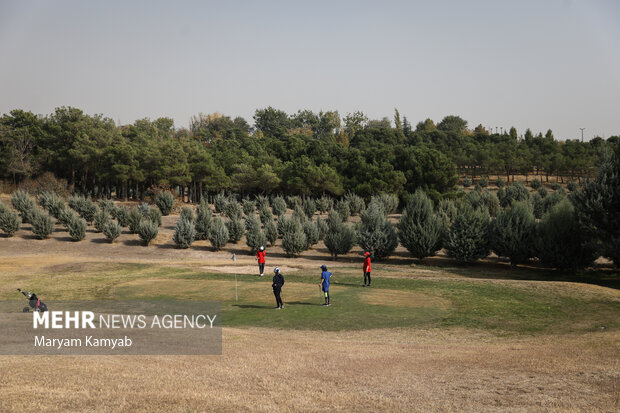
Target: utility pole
(581, 129)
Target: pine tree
(165, 202)
(112, 231)
(376, 234)
(467, 239)
(513, 233)
(147, 231)
(9, 222)
(560, 243)
(262, 202)
(88, 209)
(340, 237)
(299, 215)
(294, 240)
(77, 228)
(184, 233)
(254, 237)
(218, 234)
(420, 229)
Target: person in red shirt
(260, 257)
(366, 269)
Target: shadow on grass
(251, 306)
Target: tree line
(306, 154)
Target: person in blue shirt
(324, 284)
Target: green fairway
(502, 307)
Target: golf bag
(33, 301)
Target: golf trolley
(33, 301)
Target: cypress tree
(254, 237)
(294, 240)
(324, 204)
(513, 233)
(184, 233)
(278, 206)
(265, 215)
(233, 210)
(249, 207)
(9, 222)
(218, 234)
(467, 240)
(147, 231)
(236, 228)
(376, 234)
(76, 227)
(188, 214)
(165, 202)
(42, 224)
(23, 204)
(340, 237)
(220, 203)
(420, 229)
(312, 233)
(309, 207)
(134, 218)
(598, 205)
(203, 220)
(112, 231)
(121, 213)
(271, 232)
(154, 215)
(560, 242)
(101, 220)
(356, 203)
(343, 208)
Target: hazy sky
(539, 64)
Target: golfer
(260, 257)
(366, 269)
(278, 282)
(324, 284)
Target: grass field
(425, 337)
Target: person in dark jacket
(278, 282)
(366, 269)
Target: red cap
(366, 253)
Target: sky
(544, 64)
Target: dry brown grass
(396, 370)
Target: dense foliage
(305, 153)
